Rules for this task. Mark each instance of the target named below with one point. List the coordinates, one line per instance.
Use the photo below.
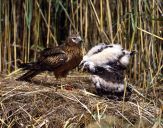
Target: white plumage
(107, 63)
(106, 56)
(94, 50)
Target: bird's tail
(27, 66)
(29, 75)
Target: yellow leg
(59, 84)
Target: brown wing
(51, 58)
(51, 51)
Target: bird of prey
(107, 64)
(60, 59)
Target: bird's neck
(71, 45)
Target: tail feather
(29, 75)
(27, 66)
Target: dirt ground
(72, 103)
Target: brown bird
(60, 59)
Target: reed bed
(134, 24)
(28, 26)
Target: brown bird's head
(74, 40)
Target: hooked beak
(81, 40)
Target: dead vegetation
(28, 26)
(42, 103)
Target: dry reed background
(28, 26)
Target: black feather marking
(102, 48)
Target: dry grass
(42, 103)
(29, 26)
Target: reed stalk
(15, 32)
(109, 21)
(49, 15)
(1, 37)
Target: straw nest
(43, 103)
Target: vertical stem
(36, 28)
(77, 16)
(28, 16)
(72, 12)
(28, 47)
(0, 37)
(101, 15)
(48, 34)
(15, 31)
(7, 39)
(25, 43)
(118, 18)
(81, 17)
(141, 50)
(86, 24)
(109, 20)
(153, 46)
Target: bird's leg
(46, 76)
(44, 80)
(66, 80)
(58, 81)
(62, 86)
(59, 84)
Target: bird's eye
(73, 39)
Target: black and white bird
(107, 64)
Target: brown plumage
(60, 59)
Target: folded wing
(49, 59)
